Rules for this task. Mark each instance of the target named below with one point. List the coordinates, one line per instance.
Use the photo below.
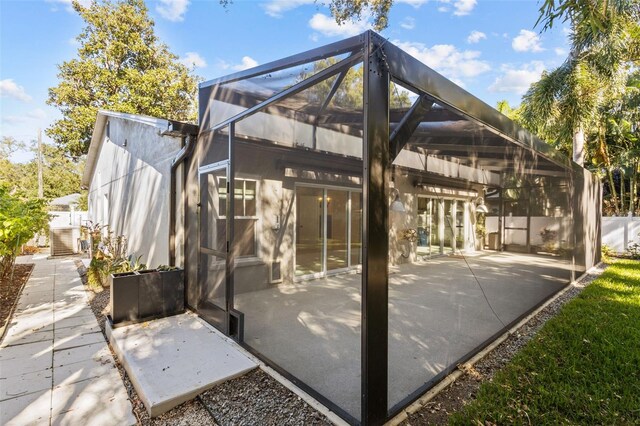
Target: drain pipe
(186, 151)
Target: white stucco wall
(130, 186)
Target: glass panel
(212, 269)
(304, 153)
(437, 227)
(245, 234)
(449, 226)
(249, 198)
(501, 216)
(213, 206)
(309, 230)
(423, 247)
(303, 121)
(213, 236)
(459, 231)
(232, 98)
(337, 229)
(356, 228)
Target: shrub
(607, 253)
(20, 219)
(109, 256)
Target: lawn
(582, 368)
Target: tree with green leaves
(121, 66)
(604, 41)
(20, 220)
(61, 175)
(568, 105)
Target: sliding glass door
(309, 230)
(328, 238)
(441, 226)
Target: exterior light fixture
(480, 206)
(396, 204)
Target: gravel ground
(253, 399)
(271, 403)
(464, 389)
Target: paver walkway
(55, 366)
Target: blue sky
(490, 47)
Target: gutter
(189, 135)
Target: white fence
(619, 232)
(65, 219)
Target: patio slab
(171, 360)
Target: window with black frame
(245, 214)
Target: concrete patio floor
(55, 366)
(437, 314)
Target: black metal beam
(325, 103)
(230, 231)
(323, 52)
(296, 88)
(375, 233)
(408, 125)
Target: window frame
(222, 183)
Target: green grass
(583, 367)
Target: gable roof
(98, 131)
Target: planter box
(123, 288)
(172, 291)
(150, 294)
(144, 295)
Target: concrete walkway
(55, 366)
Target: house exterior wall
(278, 173)
(129, 190)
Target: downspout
(185, 152)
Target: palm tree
(605, 38)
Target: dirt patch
(255, 398)
(10, 290)
(464, 389)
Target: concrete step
(171, 360)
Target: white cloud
(247, 62)
(517, 80)
(443, 9)
(464, 7)
(328, 26)
(37, 114)
(560, 51)
(193, 59)
(172, 10)
(408, 23)
(276, 8)
(476, 36)
(9, 88)
(527, 41)
(414, 3)
(447, 59)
